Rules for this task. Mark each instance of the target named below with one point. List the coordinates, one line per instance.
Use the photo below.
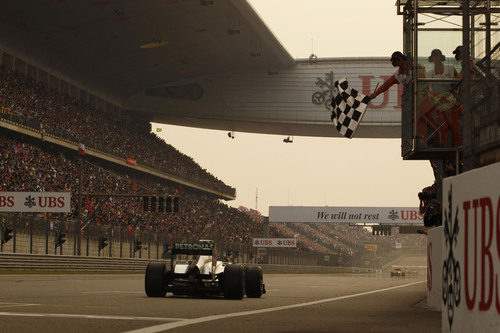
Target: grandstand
(31, 104)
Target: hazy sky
(314, 171)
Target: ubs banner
(35, 202)
(471, 251)
(387, 215)
(274, 242)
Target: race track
(294, 303)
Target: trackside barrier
(57, 263)
(9, 262)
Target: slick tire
(254, 281)
(234, 281)
(155, 281)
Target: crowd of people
(28, 167)
(72, 119)
(303, 242)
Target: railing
(22, 262)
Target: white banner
(434, 268)
(35, 202)
(387, 215)
(471, 251)
(274, 242)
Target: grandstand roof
(184, 62)
(98, 43)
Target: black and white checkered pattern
(348, 107)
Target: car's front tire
(254, 282)
(234, 281)
(155, 281)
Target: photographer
(430, 206)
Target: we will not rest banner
(308, 214)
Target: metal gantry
(451, 109)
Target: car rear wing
(201, 248)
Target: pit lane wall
(471, 251)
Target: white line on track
(181, 323)
(84, 316)
(113, 292)
(10, 305)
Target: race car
(203, 275)
(398, 272)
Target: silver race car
(202, 275)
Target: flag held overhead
(348, 107)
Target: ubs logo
(451, 266)
(30, 201)
(393, 215)
(325, 94)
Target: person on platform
(402, 76)
(440, 71)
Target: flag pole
(376, 86)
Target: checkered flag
(348, 107)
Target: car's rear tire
(234, 281)
(254, 281)
(155, 281)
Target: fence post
(14, 227)
(120, 239)
(140, 240)
(88, 239)
(30, 228)
(149, 245)
(110, 240)
(156, 237)
(131, 250)
(46, 236)
(65, 232)
(75, 235)
(55, 234)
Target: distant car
(203, 275)
(398, 272)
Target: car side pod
(155, 280)
(234, 281)
(254, 286)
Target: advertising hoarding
(386, 215)
(471, 251)
(371, 247)
(274, 242)
(35, 202)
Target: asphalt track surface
(294, 303)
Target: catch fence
(44, 236)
